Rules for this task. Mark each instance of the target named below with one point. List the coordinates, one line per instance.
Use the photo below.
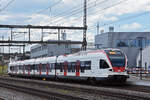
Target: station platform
(135, 80)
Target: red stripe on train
(118, 69)
(65, 68)
(78, 68)
(40, 69)
(29, 70)
(47, 69)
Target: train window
(73, 64)
(69, 67)
(43, 69)
(61, 67)
(87, 65)
(50, 69)
(52, 66)
(103, 64)
(15, 68)
(26, 67)
(38, 67)
(11, 68)
(32, 67)
(82, 65)
(20, 67)
(57, 65)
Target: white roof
(72, 57)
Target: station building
(127, 41)
(48, 50)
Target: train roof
(81, 54)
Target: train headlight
(110, 70)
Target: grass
(3, 69)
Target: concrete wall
(54, 49)
(101, 40)
(145, 58)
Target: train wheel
(92, 81)
(56, 79)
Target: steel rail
(38, 92)
(111, 92)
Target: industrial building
(145, 58)
(127, 41)
(47, 50)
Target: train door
(65, 68)
(103, 66)
(78, 68)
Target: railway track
(35, 91)
(66, 91)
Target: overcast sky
(124, 15)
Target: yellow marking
(63, 91)
(112, 53)
(44, 79)
(46, 87)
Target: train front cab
(116, 64)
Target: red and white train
(105, 64)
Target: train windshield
(117, 58)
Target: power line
(50, 6)
(79, 11)
(113, 5)
(73, 9)
(126, 18)
(7, 5)
(103, 8)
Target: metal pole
(141, 54)
(85, 26)
(3, 44)
(9, 48)
(24, 52)
(55, 67)
(42, 35)
(97, 28)
(24, 48)
(58, 34)
(29, 34)
(141, 48)
(11, 34)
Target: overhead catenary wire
(7, 5)
(79, 11)
(123, 19)
(73, 9)
(105, 8)
(49, 7)
(101, 9)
